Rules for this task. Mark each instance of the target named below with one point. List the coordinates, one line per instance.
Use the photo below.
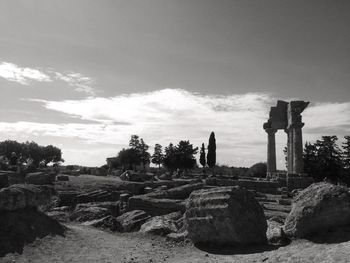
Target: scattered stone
(89, 213)
(177, 237)
(131, 221)
(275, 234)
(124, 197)
(20, 196)
(4, 182)
(108, 222)
(23, 226)
(225, 216)
(165, 176)
(161, 225)
(62, 178)
(318, 208)
(40, 178)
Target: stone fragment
(161, 225)
(20, 196)
(62, 178)
(131, 221)
(89, 213)
(317, 208)
(225, 216)
(40, 178)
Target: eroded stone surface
(318, 208)
(225, 215)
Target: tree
(329, 156)
(52, 154)
(258, 170)
(323, 159)
(144, 155)
(346, 158)
(180, 156)
(169, 157)
(31, 150)
(184, 153)
(140, 150)
(211, 155)
(311, 163)
(128, 158)
(202, 159)
(157, 157)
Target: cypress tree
(211, 156)
(202, 159)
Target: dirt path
(85, 244)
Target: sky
(85, 75)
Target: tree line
(324, 159)
(28, 152)
(180, 156)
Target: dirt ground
(86, 244)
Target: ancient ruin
(287, 116)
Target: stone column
(289, 151)
(271, 151)
(298, 166)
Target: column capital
(270, 131)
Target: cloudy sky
(84, 75)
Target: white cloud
(25, 75)
(170, 115)
(79, 82)
(21, 75)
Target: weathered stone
(177, 237)
(108, 222)
(19, 196)
(165, 176)
(4, 182)
(317, 208)
(131, 221)
(40, 178)
(62, 178)
(275, 234)
(89, 213)
(225, 216)
(161, 225)
(23, 226)
(60, 216)
(113, 207)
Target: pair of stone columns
(294, 149)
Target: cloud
(12, 72)
(170, 115)
(79, 82)
(25, 75)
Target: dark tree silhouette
(211, 155)
(128, 158)
(323, 159)
(140, 148)
(346, 158)
(157, 157)
(185, 152)
(258, 170)
(169, 159)
(180, 156)
(31, 150)
(202, 159)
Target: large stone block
(317, 208)
(21, 196)
(225, 216)
(23, 226)
(40, 178)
